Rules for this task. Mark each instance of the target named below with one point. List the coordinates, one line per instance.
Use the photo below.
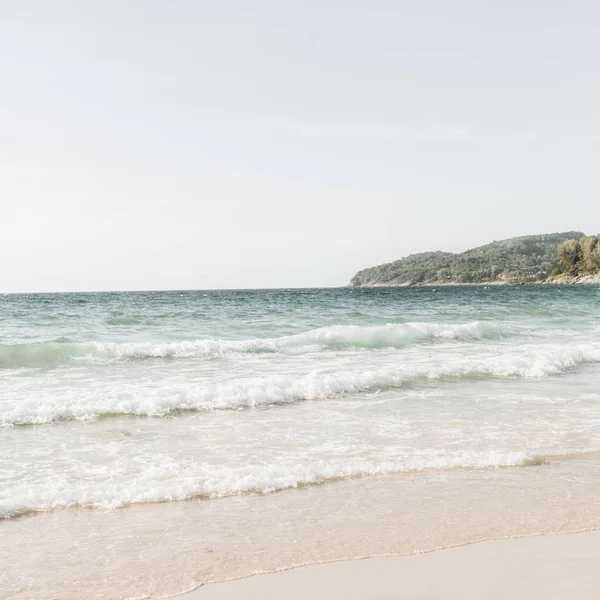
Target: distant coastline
(583, 280)
(568, 258)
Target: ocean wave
(145, 400)
(391, 335)
(36, 355)
(204, 482)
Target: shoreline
(552, 566)
(236, 537)
(577, 280)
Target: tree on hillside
(568, 257)
(591, 255)
(578, 257)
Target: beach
(154, 442)
(156, 550)
(549, 567)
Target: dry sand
(565, 567)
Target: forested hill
(516, 260)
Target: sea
(154, 442)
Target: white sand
(565, 567)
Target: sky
(188, 144)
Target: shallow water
(484, 398)
(157, 550)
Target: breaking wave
(159, 400)
(214, 482)
(52, 354)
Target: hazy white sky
(193, 144)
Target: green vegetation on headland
(577, 258)
(548, 258)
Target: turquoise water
(153, 441)
(112, 399)
(244, 314)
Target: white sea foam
(159, 399)
(169, 481)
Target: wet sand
(162, 550)
(561, 567)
